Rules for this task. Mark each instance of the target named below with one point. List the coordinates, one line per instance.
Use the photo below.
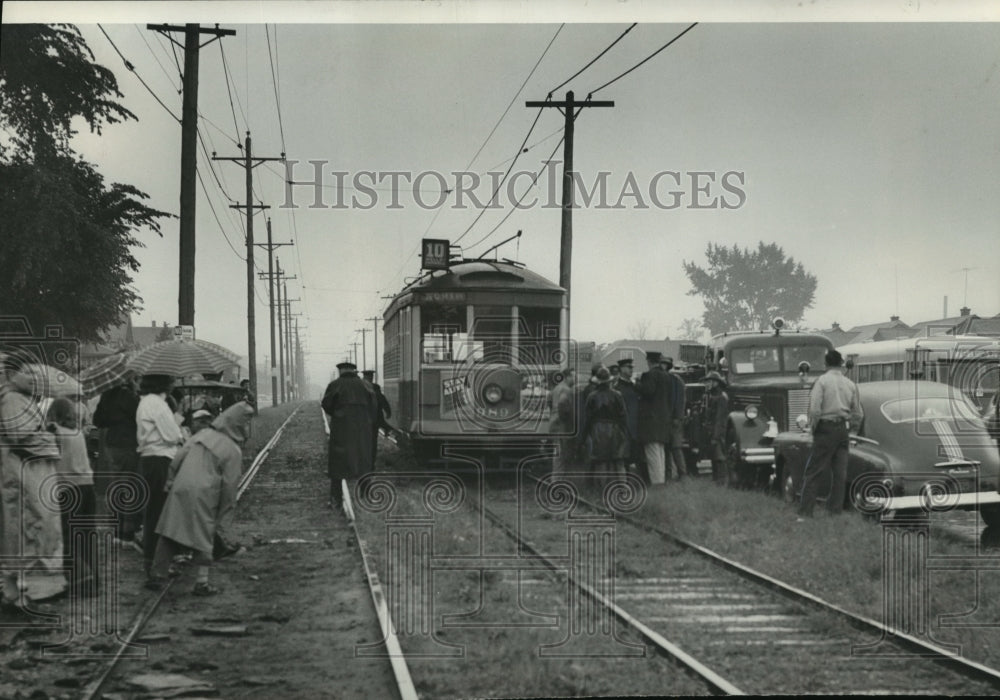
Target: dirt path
(299, 590)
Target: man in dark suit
(351, 405)
(654, 416)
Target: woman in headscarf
(31, 543)
(201, 502)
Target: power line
(131, 68)
(596, 58)
(534, 180)
(514, 98)
(156, 58)
(232, 107)
(274, 82)
(593, 92)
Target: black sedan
(921, 445)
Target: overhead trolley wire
(274, 82)
(232, 106)
(156, 58)
(595, 59)
(650, 56)
(129, 65)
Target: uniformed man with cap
(352, 407)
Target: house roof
(863, 334)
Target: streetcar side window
(864, 373)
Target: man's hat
(201, 413)
(613, 369)
(603, 376)
(667, 361)
(347, 366)
(716, 377)
(653, 355)
(625, 362)
(368, 372)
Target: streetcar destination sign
(435, 253)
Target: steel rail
(716, 683)
(400, 671)
(93, 689)
(966, 667)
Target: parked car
(921, 445)
(769, 377)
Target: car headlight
(492, 393)
(750, 412)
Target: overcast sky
(867, 151)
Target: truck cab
(769, 376)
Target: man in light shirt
(834, 412)
(159, 437)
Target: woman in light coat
(201, 502)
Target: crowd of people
(182, 453)
(613, 424)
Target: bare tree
(639, 330)
(690, 329)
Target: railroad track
(729, 625)
(149, 606)
(400, 670)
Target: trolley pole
(566, 237)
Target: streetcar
(968, 363)
(471, 353)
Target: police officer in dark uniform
(350, 403)
(715, 417)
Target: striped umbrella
(44, 381)
(180, 358)
(104, 374)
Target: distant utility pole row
(189, 142)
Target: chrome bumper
(757, 455)
(948, 502)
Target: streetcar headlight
(492, 393)
(750, 412)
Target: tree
(745, 289)
(639, 330)
(690, 329)
(66, 236)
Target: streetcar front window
(443, 332)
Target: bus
(969, 363)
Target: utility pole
(249, 163)
(189, 156)
(288, 334)
(568, 108)
(355, 346)
(293, 359)
(270, 302)
(375, 320)
(283, 338)
(364, 348)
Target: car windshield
(792, 355)
(930, 408)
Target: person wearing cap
(834, 412)
(200, 419)
(351, 406)
(675, 443)
(654, 416)
(605, 430)
(384, 411)
(624, 385)
(715, 417)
